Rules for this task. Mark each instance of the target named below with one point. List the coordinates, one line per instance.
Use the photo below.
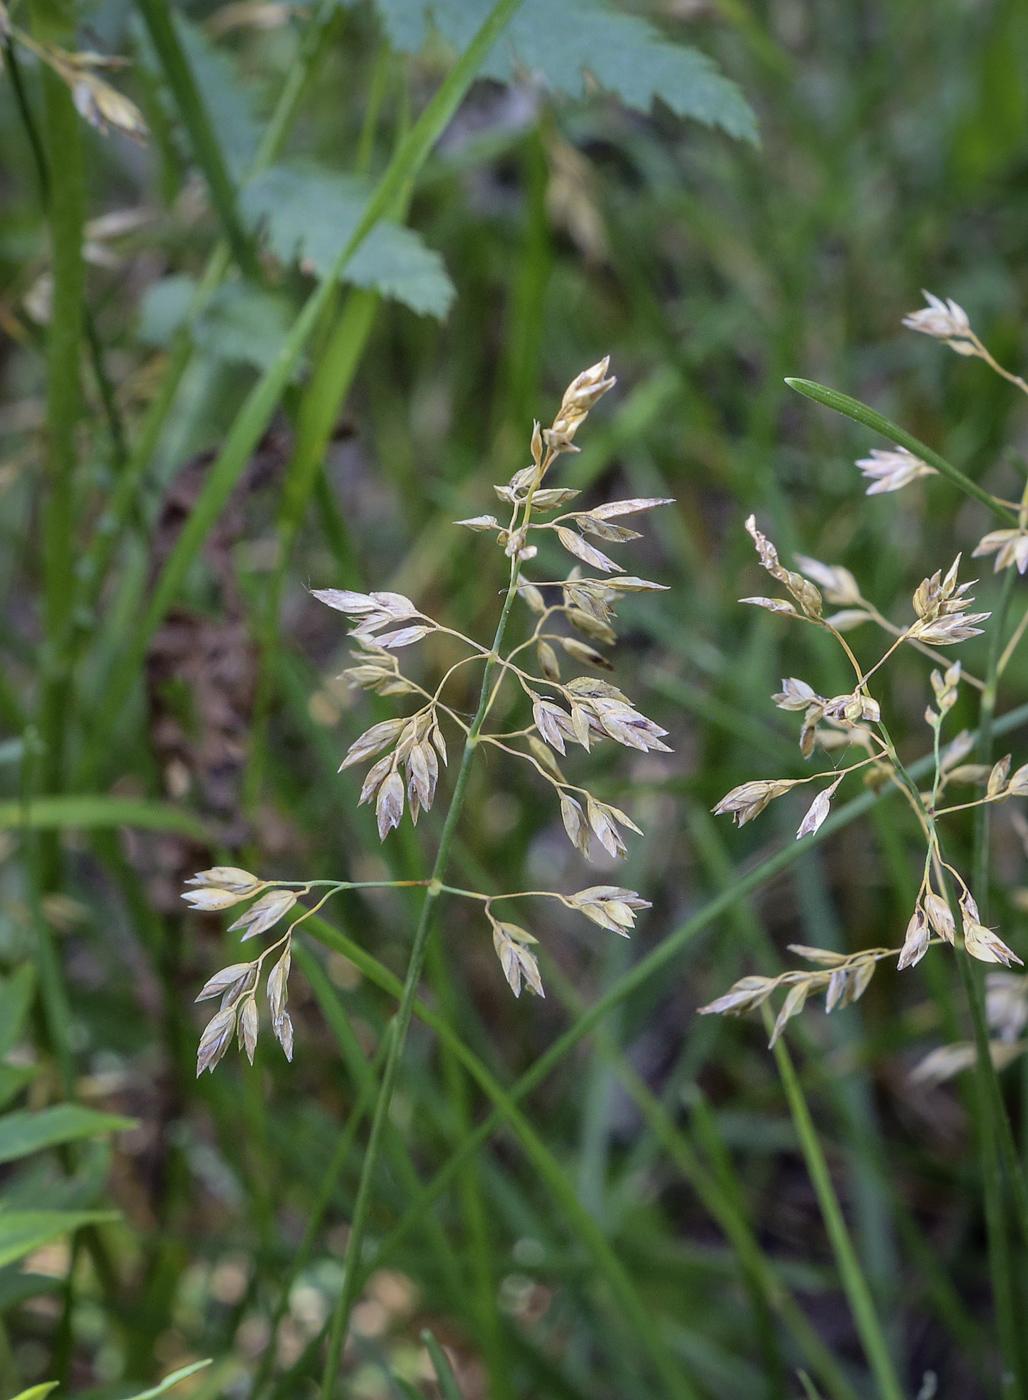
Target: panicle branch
(409, 752)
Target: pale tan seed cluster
(97, 100)
(570, 618)
(853, 721)
(238, 984)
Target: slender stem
(986, 714)
(405, 1009)
(329, 1182)
(1012, 645)
(854, 1283)
(196, 119)
(65, 208)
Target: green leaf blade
(22, 1231)
(24, 1132)
(98, 810)
(871, 418)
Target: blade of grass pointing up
(870, 418)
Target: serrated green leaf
(22, 1231)
(15, 999)
(16, 1286)
(169, 1381)
(309, 214)
(163, 307)
(562, 40)
(24, 1132)
(244, 325)
(240, 324)
(52, 813)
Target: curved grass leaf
(168, 1381)
(443, 1370)
(24, 1132)
(22, 1231)
(563, 42)
(15, 1000)
(309, 214)
(14, 1078)
(870, 418)
(52, 813)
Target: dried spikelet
(248, 1027)
(230, 983)
(985, 945)
(748, 800)
(916, 939)
(946, 321)
(264, 913)
(797, 695)
(589, 655)
(610, 906)
(579, 397)
(801, 589)
(818, 811)
(215, 1040)
(211, 899)
(939, 604)
(1009, 546)
(892, 470)
(588, 554)
(745, 995)
(575, 823)
(103, 106)
(517, 962)
(227, 877)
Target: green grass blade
(95, 810)
(853, 1281)
(869, 418)
(196, 120)
(166, 1384)
(443, 1370)
(636, 1312)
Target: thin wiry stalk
(65, 209)
(195, 118)
(476, 1223)
(854, 1283)
(404, 1011)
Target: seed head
(946, 321)
(891, 470)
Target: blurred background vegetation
(551, 229)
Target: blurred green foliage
(551, 224)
